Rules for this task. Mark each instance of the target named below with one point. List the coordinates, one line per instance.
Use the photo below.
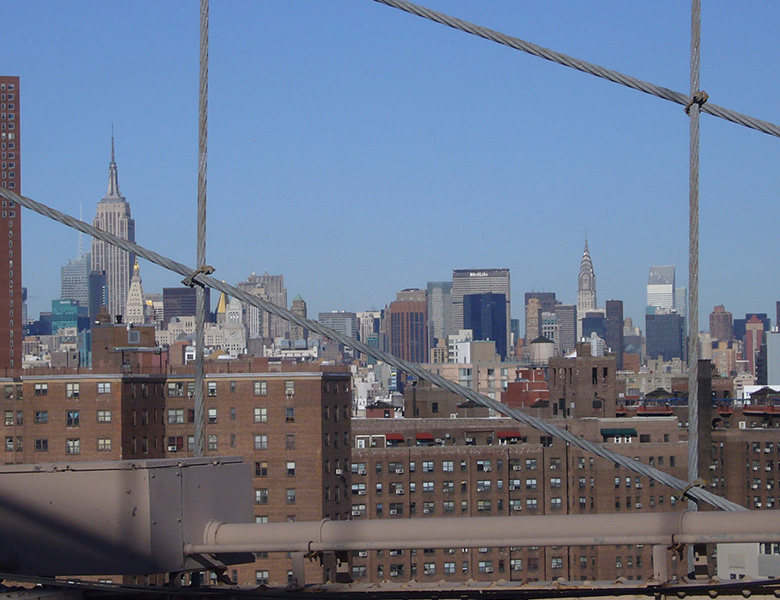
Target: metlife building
(467, 282)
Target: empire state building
(113, 216)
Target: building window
(175, 390)
(289, 387)
(556, 503)
(448, 466)
(104, 444)
(212, 415)
(289, 414)
(261, 577)
(104, 387)
(42, 445)
(212, 442)
(41, 389)
(72, 418)
(261, 441)
(261, 388)
(212, 389)
(485, 566)
(289, 496)
(73, 446)
(556, 562)
(261, 415)
(289, 441)
(261, 469)
(41, 416)
(175, 416)
(261, 496)
(290, 468)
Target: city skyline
(398, 114)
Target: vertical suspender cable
(693, 260)
(200, 307)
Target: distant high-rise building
(439, 311)
(11, 234)
(480, 281)
(546, 303)
(533, 313)
(754, 340)
(485, 315)
(594, 322)
(260, 323)
(113, 216)
(346, 323)
(299, 308)
(664, 333)
(586, 289)
(550, 329)
(181, 301)
(721, 324)
(567, 324)
(409, 326)
(614, 330)
(660, 287)
(74, 280)
(64, 315)
(135, 308)
(740, 328)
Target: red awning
(394, 437)
(424, 436)
(508, 433)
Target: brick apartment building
(312, 461)
(291, 421)
(423, 468)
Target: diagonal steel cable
(580, 65)
(412, 369)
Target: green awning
(619, 432)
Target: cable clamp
(699, 483)
(699, 98)
(190, 280)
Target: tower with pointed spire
(135, 308)
(586, 289)
(113, 216)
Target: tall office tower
(439, 311)
(754, 339)
(567, 323)
(368, 324)
(740, 325)
(258, 322)
(614, 331)
(408, 316)
(113, 216)
(545, 302)
(74, 280)
(180, 302)
(346, 323)
(480, 281)
(664, 331)
(594, 322)
(11, 231)
(660, 287)
(533, 313)
(721, 324)
(586, 289)
(135, 308)
(551, 329)
(485, 315)
(299, 308)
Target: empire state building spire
(586, 289)
(113, 178)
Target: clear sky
(360, 150)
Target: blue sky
(360, 150)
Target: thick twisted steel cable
(413, 369)
(693, 251)
(581, 65)
(200, 292)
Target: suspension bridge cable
(200, 292)
(581, 65)
(202, 279)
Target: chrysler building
(113, 216)
(586, 289)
